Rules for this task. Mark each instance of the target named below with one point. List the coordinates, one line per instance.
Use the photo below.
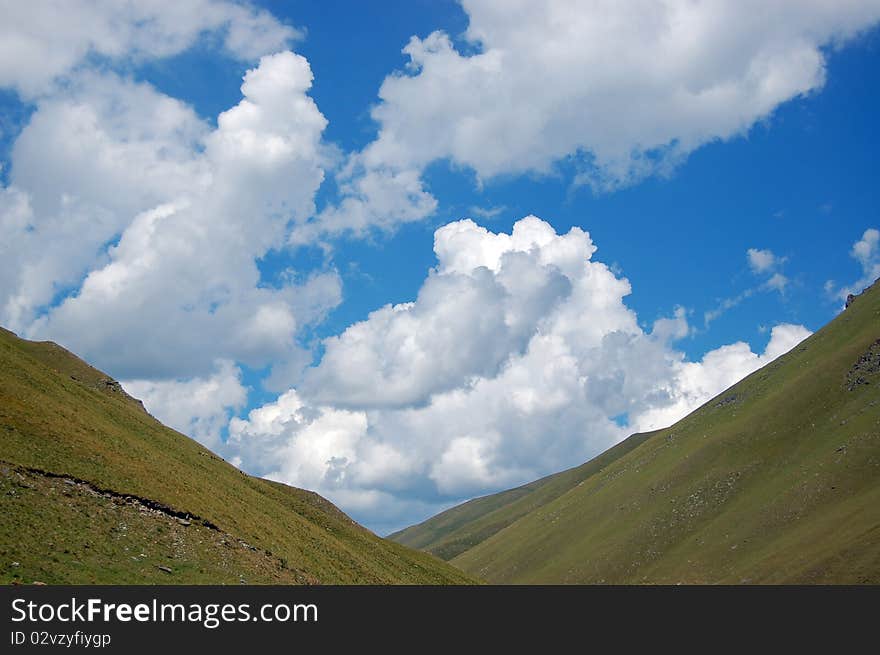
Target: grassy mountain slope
(93, 489)
(460, 528)
(776, 480)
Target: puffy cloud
(633, 87)
(186, 210)
(672, 329)
(371, 198)
(696, 382)
(624, 90)
(765, 262)
(517, 358)
(87, 162)
(198, 407)
(321, 441)
(478, 307)
(866, 251)
(42, 40)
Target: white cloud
(477, 308)
(672, 329)
(323, 440)
(624, 90)
(866, 251)
(725, 305)
(486, 212)
(634, 85)
(93, 134)
(87, 162)
(375, 198)
(765, 262)
(187, 212)
(43, 40)
(517, 358)
(198, 407)
(696, 382)
(776, 282)
(761, 261)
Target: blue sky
(785, 166)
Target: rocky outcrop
(865, 369)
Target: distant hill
(462, 527)
(776, 480)
(95, 490)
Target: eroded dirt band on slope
(29, 478)
(110, 493)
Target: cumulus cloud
(518, 357)
(132, 231)
(623, 90)
(376, 198)
(43, 40)
(199, 407)
(470, 315)
(767, 263)
(87, 162)
(866, 251)
(150, 223)
(634, 86)
(696, 382)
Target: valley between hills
(775, 480)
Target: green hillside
(95, 490)
(776, 480)
(460, 528)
